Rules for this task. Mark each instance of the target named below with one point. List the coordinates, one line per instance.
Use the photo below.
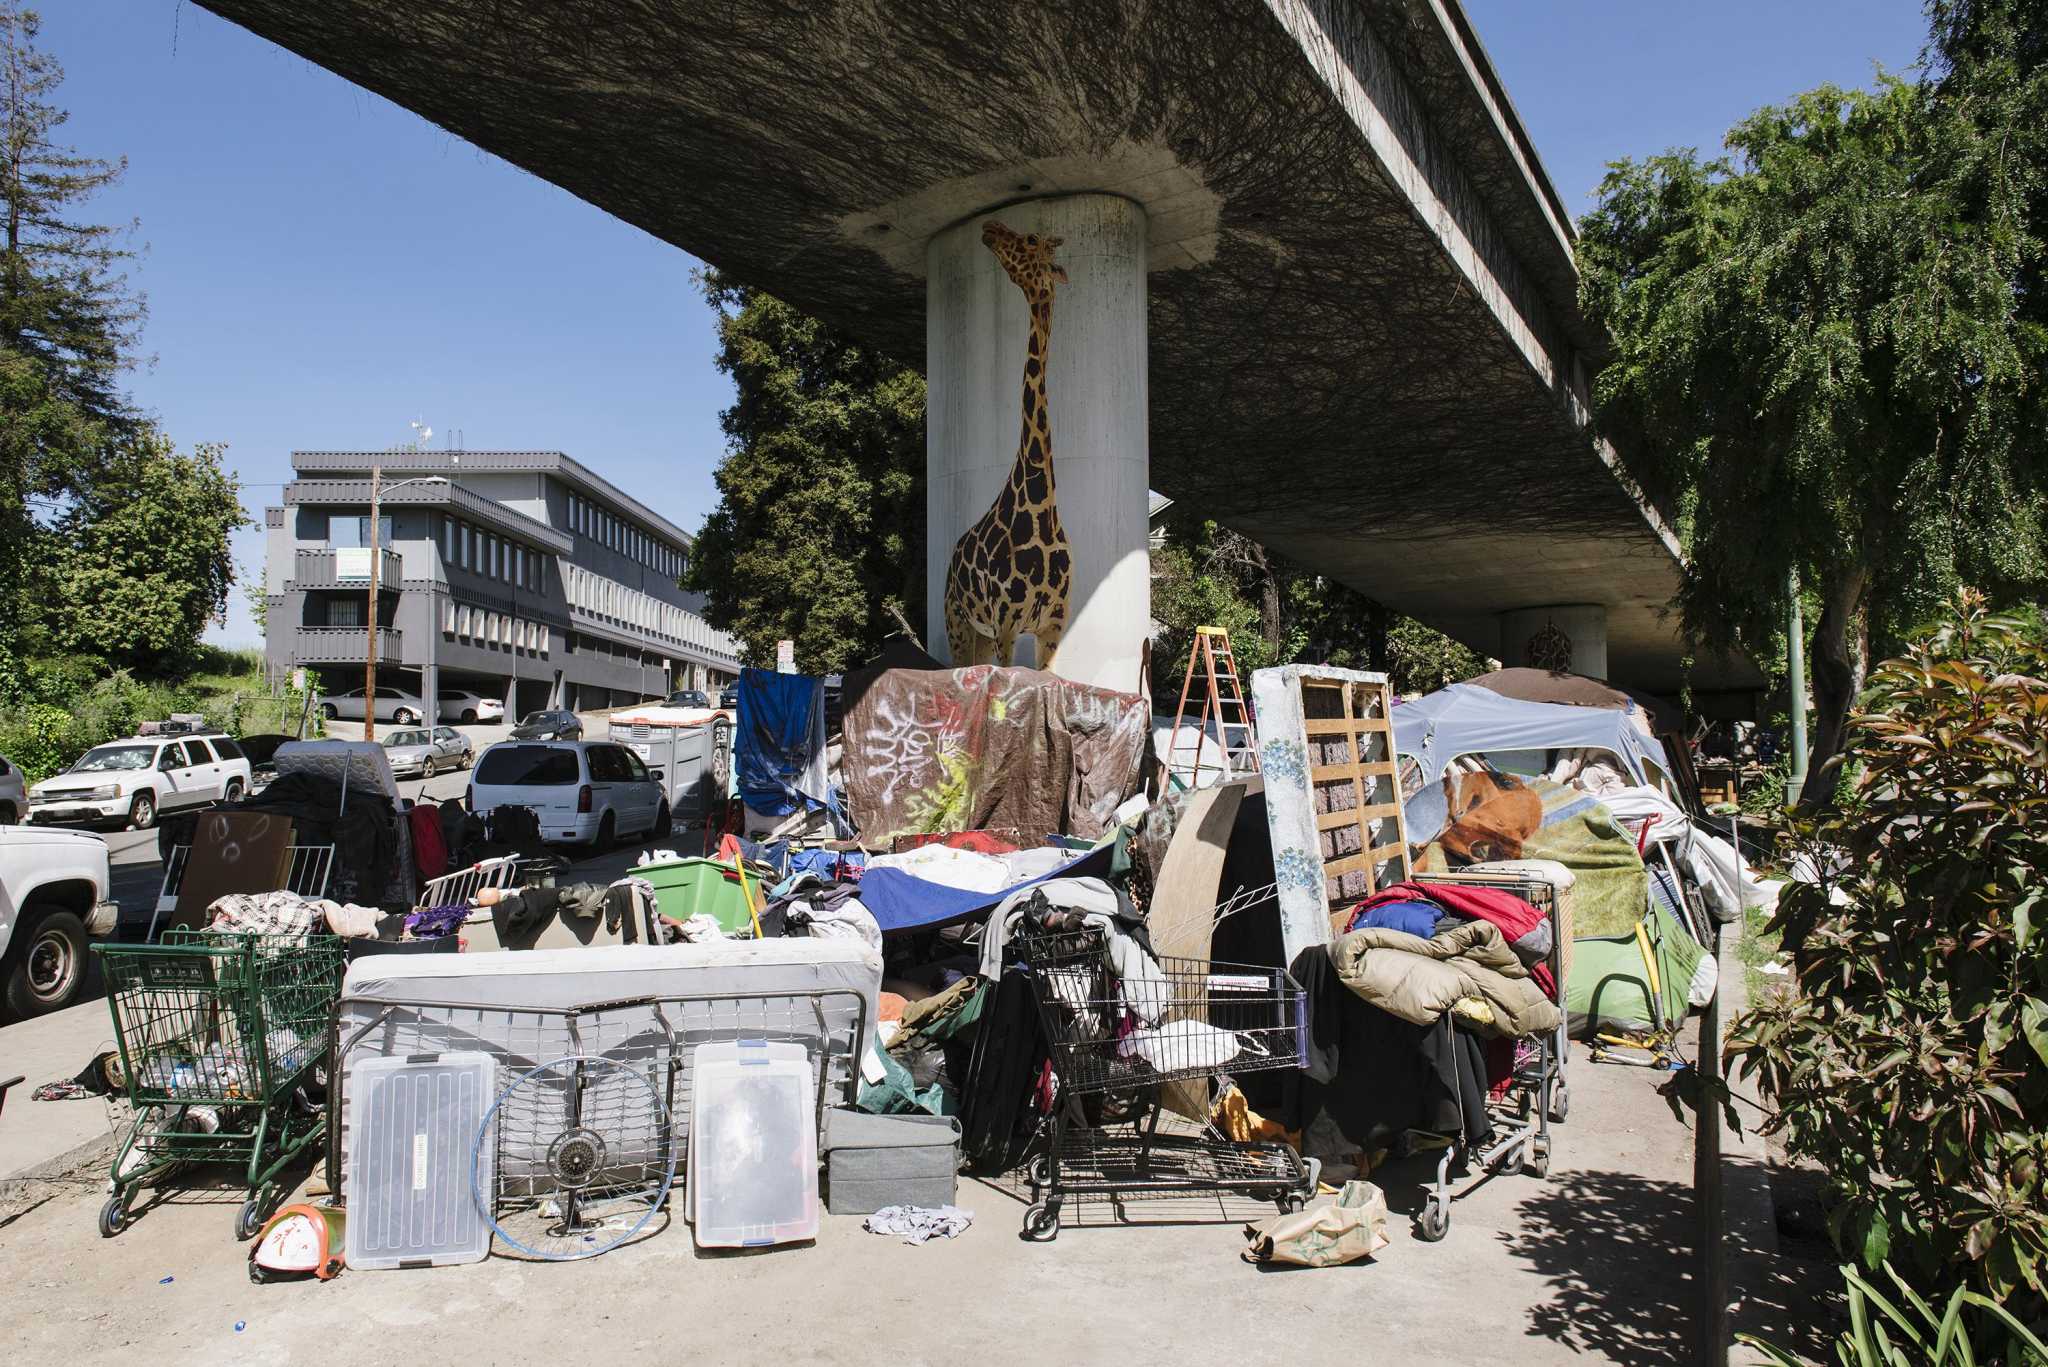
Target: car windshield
(398, 739)
(102, 758)
(516, 766)
(537, 719)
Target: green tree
(818, 536)
(1826, 361)
(68, 321)
(139, 562)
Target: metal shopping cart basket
(217, 1033)
(1537, 1096)
(1115, 1039)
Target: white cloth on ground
(918, 1224)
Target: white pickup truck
(54, 891)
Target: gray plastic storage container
(411, 1147)
(872, 1161)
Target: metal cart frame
(1537, 1090)
(1095, 1022)
(218, 1028)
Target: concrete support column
(1572, 634)
(511, 694)
(977, 330)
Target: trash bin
(699, 887)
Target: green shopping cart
(219, 1035)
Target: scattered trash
(1774, 968)
(67, 1090)
(1354, 1226)
(917, 1224)
(240, 1325)
(165, 1281)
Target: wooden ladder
(1223, 699)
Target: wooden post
(370, 649)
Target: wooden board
(232, 852)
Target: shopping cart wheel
(1536, 1159)
(249, 1219)
(113, 1216)
(1434, 1223)
(1042, 1222)
(1560, 1103)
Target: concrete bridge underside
(1364, 343)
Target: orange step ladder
(1223, 700)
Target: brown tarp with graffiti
(968, 749)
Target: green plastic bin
(700, 887)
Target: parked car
(461, 705)
(127, 782)
(13, 794)
(582, 792)
(730, 699)
(554, 724)
(393, 704)
(53, 897)
(688, 697)
(422, 752)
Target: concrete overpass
(1314, 230)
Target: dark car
(262, 753)
(550, 725)
(730, 699)
(688, 697)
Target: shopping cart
(1116, 1039)
(1536, 1096)
(217, 1031)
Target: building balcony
(344, 645)
(343, 569)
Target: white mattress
(365, 763)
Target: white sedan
(461, 705)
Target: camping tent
(1466, 720)
(1577, 690)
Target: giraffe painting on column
(1011, 571)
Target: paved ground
(1594, 1264)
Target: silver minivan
(584, 792)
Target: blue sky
(323, 268)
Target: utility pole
(370, 648)
(1795, 686)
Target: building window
(353, 529)
(448, 617)
(447, 541)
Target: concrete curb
(1750, 1221)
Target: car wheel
(142, 812)
(606, 834)
(468, 758)
(427, 768)
(329, 711)
(49, 967)
(405, 716)
(469, 717)
(233, 792)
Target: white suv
(53, 895)
(127, 782)
(583, 792)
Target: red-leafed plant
(1911, 1060)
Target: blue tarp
(781, 737)
(903, 901)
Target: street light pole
(370, 647)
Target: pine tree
(68, 320)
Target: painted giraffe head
(1025, 257)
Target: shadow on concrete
(1619, 1253)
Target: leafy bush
(39, 738)
(1880, 1334)
(1911, 1063)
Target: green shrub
(1911, 1063)
(1881, 1334)
(39, 738)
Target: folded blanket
(1419, 980)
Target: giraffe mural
(1010, 573)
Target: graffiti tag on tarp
(909, 738)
